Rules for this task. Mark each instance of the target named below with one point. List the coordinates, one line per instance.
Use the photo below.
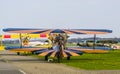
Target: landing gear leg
(32, 52)
(46, 58)
(18, 53)
(68, 58)
(58, 59)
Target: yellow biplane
(58, 38)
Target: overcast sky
(69, 14)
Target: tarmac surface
(6, 68)
(10, 63)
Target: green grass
(108, 61)
(70, 44)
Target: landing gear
(32, 52)
(18, 53)
(46, 58)
(59, 60)
(68, 58)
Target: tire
(59, 59)
(18, 53)
(68, 58)
(46, 58)
(32, 52)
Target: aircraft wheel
(46, 58)
(32, 52)
(68, 58)
(18, 53)
(59, 59)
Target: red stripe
(43, 35)
(7, 36)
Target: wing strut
(20, 40)
(1, 41)
(94, 43)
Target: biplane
(58, 38)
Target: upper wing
(68, 31)
(87, 31)
(26, 30)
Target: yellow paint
(2, 36)
(12, 36)
(64, 54)
(95, 51)
(24, 35)
(53, 54)
(34, 35)
(44, 53)
(47, 36)
(2, 48)
(92, 50)
(73, 54)
(15, 36)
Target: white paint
(22, 71)
(50, 60)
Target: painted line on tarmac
(22, 71)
